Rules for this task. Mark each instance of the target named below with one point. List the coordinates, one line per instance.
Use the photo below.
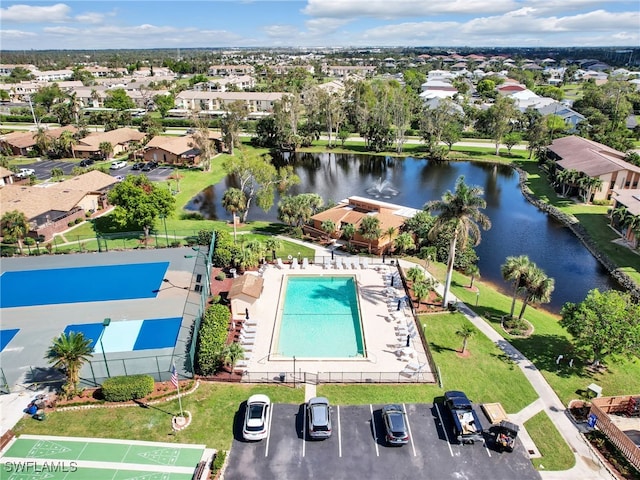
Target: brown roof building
(244, 291)
(21, 143)
(597, 161)
(120, 139)
(177, 150)
(352, 211)
(50, 209)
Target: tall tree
(498, 120)
(234, 201)
(139, 203)
(235, 112)
(106, 149)
(118, 99)
(68, 352)
(258, 178)
(15, 225)
(604, 323)
(370, 229)
(538, 288)
(466, 332)
(513, 270)
(460, 211)
(203, 142)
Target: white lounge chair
(345, 263)
(279, 263)
(327, 264)
(411, 369)
(294, 263)
(252, 322)
(245, 330)
(305, 262)
(337, 263)
(364, 263)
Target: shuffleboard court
(81, 284)
(98, 450)
(32, 457)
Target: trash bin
(452, 306)
(282, 376)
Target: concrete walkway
(587, 465)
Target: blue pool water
(81, 284)
(320, 318)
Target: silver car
(319, 415)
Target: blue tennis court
(130, 335)
(81, 284)
(6, 336)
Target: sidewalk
(587, 465)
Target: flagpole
(179, 399)
(175, 380)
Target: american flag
(174, 375)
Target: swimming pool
(320, 318)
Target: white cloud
(402, 32)
(285, 32)
(32, 14)
(90, 17)
(16, 34)
(402, 8)
(324, 26)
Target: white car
(118, 165)
(256, 419)
(25, 172)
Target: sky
(317, 23)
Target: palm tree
(43, 141)
(14, 224)
(460, 212)
(420, 290)
(465, 332)
(513, 270)
(106, 149)
(348, 232)
(272, 243)
(66, 141)
(538, 288)
(415, 274)
(370, 229)
(232, 353)
(473, 271)
(404, 242)
(233, 201)
(328, 227)
(69, 352)
(57, 172)
(389, 233)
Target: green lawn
(213, 408)
(547, 342)
(556, 454)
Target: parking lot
(43, 170)
(357, 448)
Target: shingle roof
(175, 145)
(93, 181)
(589, 157)
(247, 284)
(115, 137)
(628, 198)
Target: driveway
(43, 170)
(357, 449)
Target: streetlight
(166, 235)
(105, 323)
(477, 297)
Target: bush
(70, 224)
(176, 243)
(602, 202)
(192, 216)
(211, 339)
(221, 276)
(218, 461)
(122, 389)
(78, 220)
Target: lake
(518, 228)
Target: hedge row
(122, 389)
(211, 339)
(225, 250)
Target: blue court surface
(6, 336)
(81, 284)
(130, 335)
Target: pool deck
(387, 358)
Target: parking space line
(404, 408)
(304, 429)
(443, 428)
(375, 433)
(266, 451)
(339, 434)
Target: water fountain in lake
(382, 189)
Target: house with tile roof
(352, 211)
(21, 143)
(595, 160)
(49, 209)
(177, 150)
(7, 177)
(120, 139)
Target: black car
(150, 166)
(137, 166)
(86, 162)
(395, 425)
